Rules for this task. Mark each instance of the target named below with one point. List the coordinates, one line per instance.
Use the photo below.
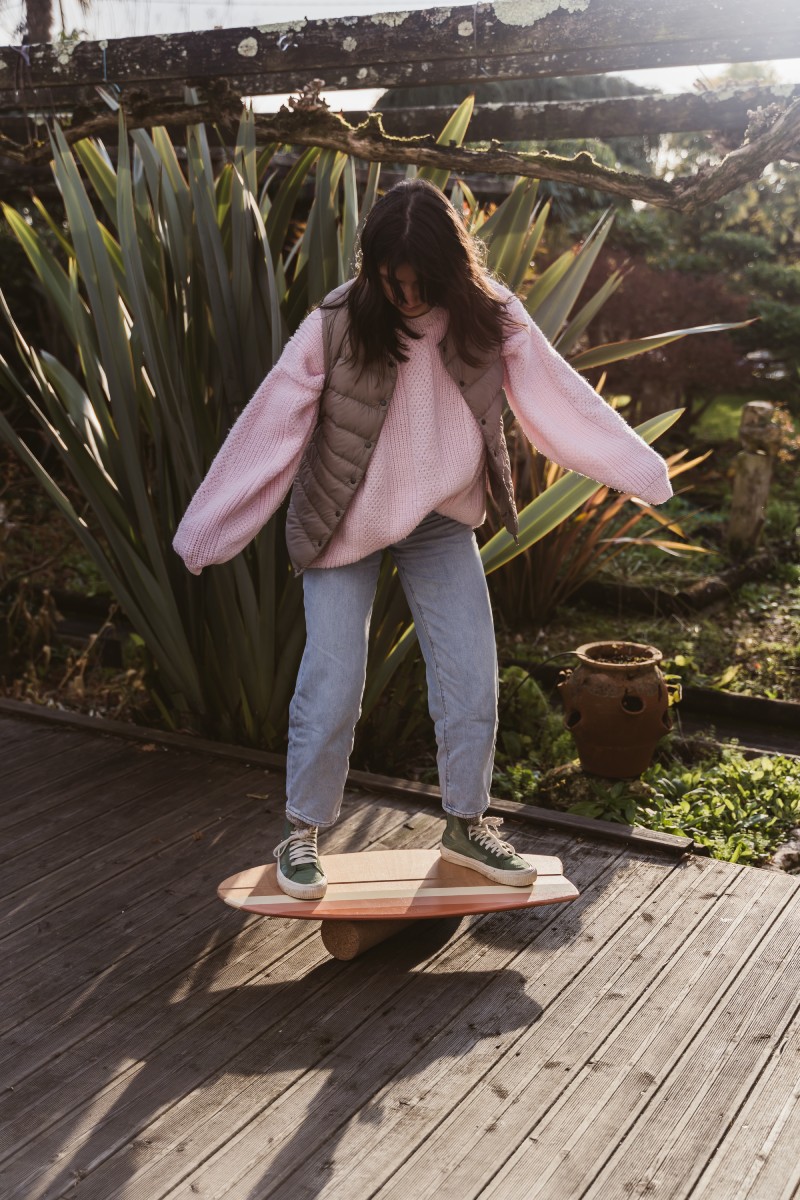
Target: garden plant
(176, 286)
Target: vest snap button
(338, 512)
(461, 383)
(483, 420)
(352, 478)
(368, 445)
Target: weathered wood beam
(779, 131)
(507, 39)
(627, 116)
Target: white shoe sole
(301, 891)
(496, 874)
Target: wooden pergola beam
(627, 116)
(774, 135)
(507, 39)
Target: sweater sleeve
(565, 418)
(259, 459)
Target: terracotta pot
(616, 706)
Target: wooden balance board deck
(399, 885)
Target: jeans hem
(295, 816)
(464, 816)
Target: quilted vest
(353, 408)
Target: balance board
(373, 894)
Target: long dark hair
(414, 224)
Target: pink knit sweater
(429, 456)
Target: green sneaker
(478, 845)
(300, 872)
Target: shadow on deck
(641, 1041)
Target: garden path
(641, 1041)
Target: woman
(385, 412)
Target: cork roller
(347, 939)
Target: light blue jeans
(442, 576)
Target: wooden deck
(643, 1041)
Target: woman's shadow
(318, 1051)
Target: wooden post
(752, 476)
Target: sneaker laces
(486, 833)
(302, 845)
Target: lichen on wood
(509, 39)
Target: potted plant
(616, 706)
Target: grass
(720, 421)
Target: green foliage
(611, 801)
(170, 305)
(744, 246)
(751, 647)
(517, 781)
(741, 809)
(738, 248)
(782, 521)
(528, 727)
(780, 323)
(781, 281)
(605, 528)
(175, 289)
(641, 231)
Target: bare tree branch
(774, 135)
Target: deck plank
(485, 1096)
(758, 1157)
(641, 1056)
(106, 807)
(643, 1040)
(158, 1029)
(317, 1111)
(31, 900)
(25, 751)
(546, 962)
(33, 750)
(722, 1059)
(144, 909)
(39, 790)
(244, 1101)
(780, 1177)
(186, 1133)
(181, 930)
(88, 892)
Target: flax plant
(556, 565)
(177, 288)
